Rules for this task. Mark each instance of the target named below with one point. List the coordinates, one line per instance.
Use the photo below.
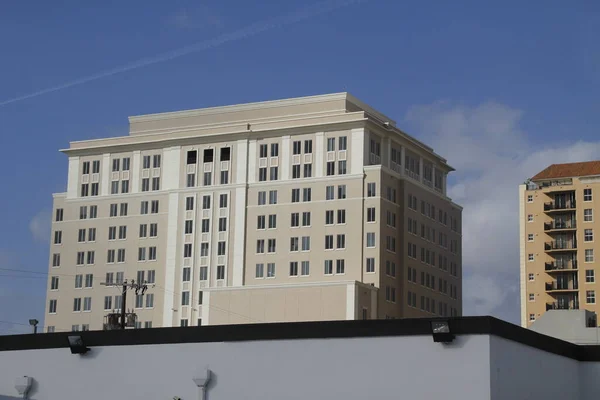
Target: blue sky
(517, 82)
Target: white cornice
(289, 286)
(240, 107)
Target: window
(391, 219)
(340, 266)
(188, 227)
(531, 317)
(530, 237)
(205, 202)
(590, 276)
(296, 147)
(308, 146)
(204, 249)
(305, 243)
(260, 222)
(77, 304)
(341, 216)
(220, 272)
(186, 275)
(271, 270)
(341, 241)
(225, 177)
(121, 255)
(56, 260)
(330, 193)
(330, 168)
(189, 203)
(125, 186)
(588, 215)
(371, 214)
(272, 221)
(151, 276)
(588, 235)
(207, 179)
(208, 155)
(222, 224)
(305, 270)
(81, 236)
(143, 230)
(187, 250)
(80, 258)
(154, 207)
(260, 246)
(295, 195)
(531, 277)
(262, 198)
(156, 161)
(144, 207)
(262, 174)
(306, 194)
(530, 198)
(192, 157)
(390, 245)
(530, 218)
(146, 162)
(272, 245)
(330, 144)
(185, 298)
(587, 194)
(52, 306)
(110, 257)
(294, 268)
(139, 303)
(371, 192)
(59, 215)
(295, 222)
(108, 302)
(260, 270)
(225, 154)
(83, 212)
(89, 280)
(295, 171)
(328, 242)
(86, 167)
(307, 170)
(273, 173)
(306, 218)
(122, 232)
(205, 225)
(203, 273)
(223, 200)
(91, 234)
(590, 296)
(123, 209)
(54, 283)
(390, 294)
(342, 167)
(221, 247)
(145, 184)
(341, 192)
(328, 267)
(589, 255)
(272, 196)
(342, 143)
(156, 183)
(263, 149)
(142, 254)
(57, 237)
(85, 190)
(370, 239)
(370, 264)
(329, 217)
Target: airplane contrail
(251, 30)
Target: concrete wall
(362, 368)
(523, 372)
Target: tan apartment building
(305, 209)
(558, 248)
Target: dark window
(208, 155)
(192, 157)
(225, 153)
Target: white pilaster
(135, 172)
(205, 308)
(171, 168)
(319, 153)
(403, 159)
(388, 152)
(73, 178)
(285, 158)
(105, 175)
(420, 169)
(239, 237)
(241, 161)
(170, 259)
(351, 301)
(357, 149)
(252, 161)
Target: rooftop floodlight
(441, 332)
(76, 344)
(34, 323)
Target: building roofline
(305, 330)
(239, 107)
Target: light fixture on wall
(76, 345)
(440, 330)
(34, 323)
(202, 383)
(23, 385)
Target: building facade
(314, 208)
(557, 227)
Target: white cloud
(492, 156)
(40, 226)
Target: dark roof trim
(305, 330)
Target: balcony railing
(553, 206)
(560, 245)
(563, 286)
(556, 225)
(561, 266)
(562, 306)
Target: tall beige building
(558, 266)
(313, 208)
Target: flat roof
(304, 330)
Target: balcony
(560, 225)
(565, 266)
(562, 306)
(557, 245)
(564, 287)
(557, 207)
